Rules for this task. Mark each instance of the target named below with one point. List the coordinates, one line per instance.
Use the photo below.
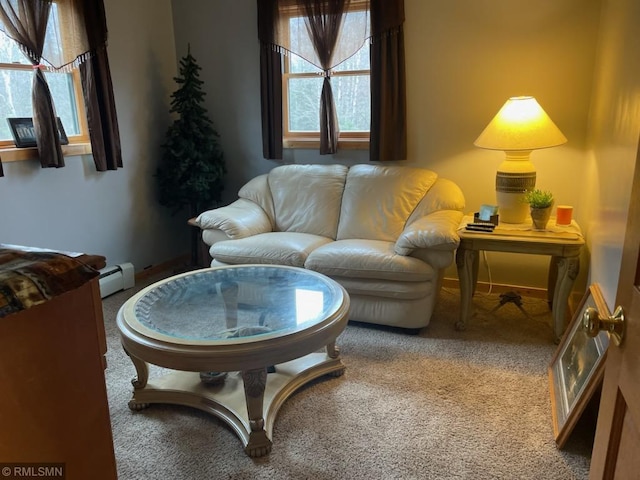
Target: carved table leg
(334, 352)
(254, 384)
(467, 264)
(568, 269)
(142, 371)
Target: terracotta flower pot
(540, 217)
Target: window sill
(311, 143)
(14, 154)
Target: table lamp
(520, 126)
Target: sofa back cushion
(377, 200)
(307, 198)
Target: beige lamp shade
(520, 126)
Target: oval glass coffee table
(221, 330)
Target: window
(302, 85)
(16, 75)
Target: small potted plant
(540, 203)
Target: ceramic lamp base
(511, 207)
(515, 176)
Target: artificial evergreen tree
(192, 166)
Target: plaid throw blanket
(31, 278)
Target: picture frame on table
(24, 134)
(577, 368)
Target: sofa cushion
(280, 248)
(378, 200)
(386, 288)
(367, 259)
(307, 198)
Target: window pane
(300, 42)
(359, 61)
(353, 102)
(15, 99)
(9, 51)
(304, 104)
(354, 30)
(300, 65)
(15, 85)
(351, 92)
(352, 97)
(63, 94)
(52, 50)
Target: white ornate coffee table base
(245, 401)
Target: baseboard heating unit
(115, 278)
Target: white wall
(615, 127)
(464, 59)
(111, 213)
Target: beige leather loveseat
(385, 233)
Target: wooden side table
(563, 244)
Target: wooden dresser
(53, 403)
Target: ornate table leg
(467, 264)
(334, 352)
(254, 385)
(568, 269)
(142, 370)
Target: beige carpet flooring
(439, 405)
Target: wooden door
(616, 451)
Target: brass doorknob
(592, 322)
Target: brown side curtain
(271, 102)
(25, 21)
(388, 129)
(99, 101)
(85, 35)
(388, 94)
(270, 80)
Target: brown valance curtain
(323, 20)
(83, 25)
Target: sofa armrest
(240, 219)
(438, 230)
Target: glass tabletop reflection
(235, 304)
